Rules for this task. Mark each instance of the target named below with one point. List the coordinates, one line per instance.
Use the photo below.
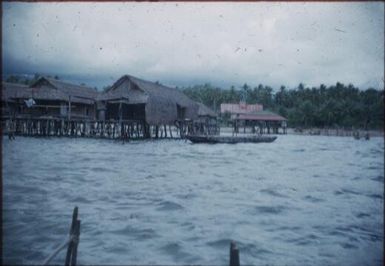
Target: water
(302, 200)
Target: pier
(125, 129)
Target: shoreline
(335, 132)
(315, 132)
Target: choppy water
(302, 200)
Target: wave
(136, 233)
(273, 192)
(270, 209)
(313, 199)
(169, 206)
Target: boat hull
(230, 140)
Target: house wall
(162, 112)
(42, 108)
(81, 110)
(8, 109)
(58, 109)
(128, 111)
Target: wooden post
(73, 244)
(169, 127)
(137, 129)
(72, 230)
(44, 125)
(48, 127)
(156, 131)
(165, 131)
(102, 125)
(120, 112)
(29, 123)
(146, 130)
(69, 108)
(234, 255)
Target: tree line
(336, 106)
(26, 80)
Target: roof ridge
(65, 82)
(13, 83)
(153, 83)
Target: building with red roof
(253, 115)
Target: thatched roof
(12, 91)
(161, 102)
(53, 89)
(205, 111)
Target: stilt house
(63, 100)
(253, 116)
(12, 99)
(206, 123)
(131, 98)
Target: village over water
(130, 108)
(190, 133)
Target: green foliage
(21, 79)
(106, 88)
(334, 106)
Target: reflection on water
(301, 200)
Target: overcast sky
(183, 43)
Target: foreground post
(234, 254)
(73, 245)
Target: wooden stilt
(169, 127)
(234, 255)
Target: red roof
(240, 108)
(261, 116)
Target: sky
(184, 44)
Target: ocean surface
(301, 200)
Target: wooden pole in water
(72, 249)
(156, 131)
(169, 127)
(137, 129)
(72, 230)
(76, 243)
(234, 255)
(48, 127)
(69, 108)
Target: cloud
(222, 43)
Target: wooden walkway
(126, 129)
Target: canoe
(230, 139)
